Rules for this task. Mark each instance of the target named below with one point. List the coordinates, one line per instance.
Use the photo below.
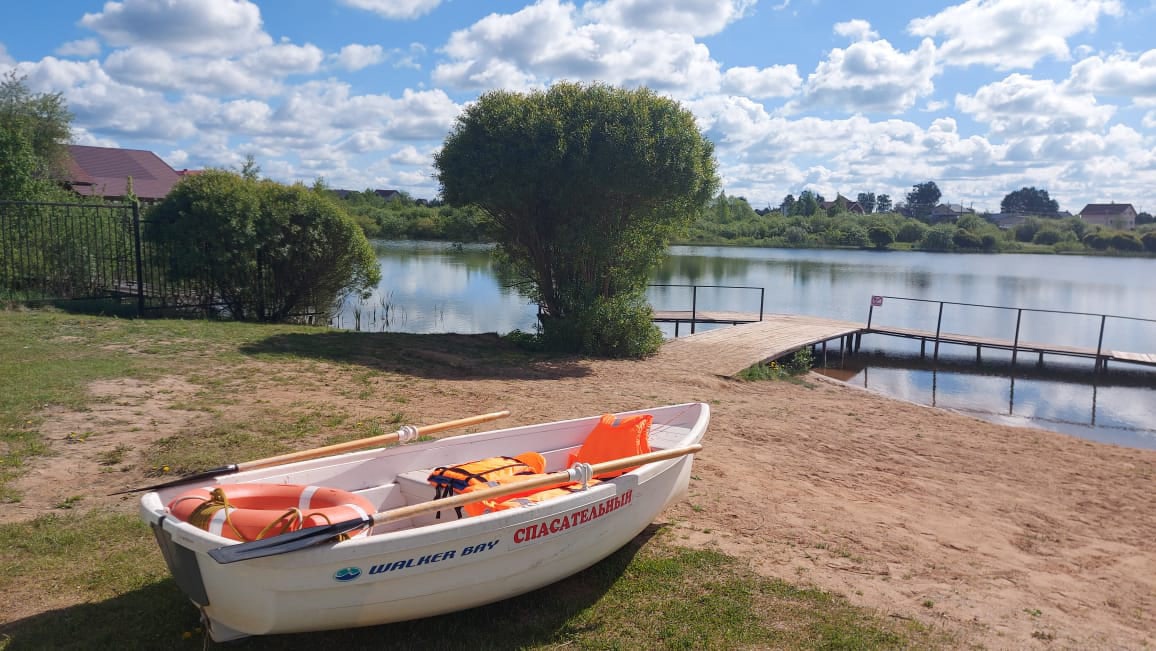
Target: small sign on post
(876, 301)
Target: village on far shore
(105, 172)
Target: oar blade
(208, 474)
(286, 542)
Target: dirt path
(1010, 538)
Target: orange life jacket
(609, 441)
(455, 480)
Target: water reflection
(1065, 396)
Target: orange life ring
(253, 511)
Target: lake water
(433, 287)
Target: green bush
(1149, 241)
(938, 238)
(1047, 236)
(966, 240)
(1126, 242)
(881, 236)
(267, 251)
(617, 327)
(911, 232)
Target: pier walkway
(727, 351)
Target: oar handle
(373, 441)
(316, 453)
(551, 479)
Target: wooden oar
(404, 434)
(313, 536)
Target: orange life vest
(609, 441)
(483, 473)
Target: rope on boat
(290, 520)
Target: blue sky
(983, 97)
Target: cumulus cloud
(1149, 121)
(695, 17)
(215, 27)
(548, 41)
(395, 9)
(1120, 75)
(856, 30)
(355, 57)
(5, 59)
(257, 72)
(870, 76)
(1010, 34)
(1020, 104)
(760, 83)
(86, 47)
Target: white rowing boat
(413, 563)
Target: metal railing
(877, 301)
(694, 297)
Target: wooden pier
(761, 337)
(727, 351)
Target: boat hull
(426, 567)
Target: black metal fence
(90, 251)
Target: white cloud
(546, 41)
(1119, 75)
(86, 47)
(773, 81)
(870, 76)
(355, 57)
(1010, 34)
(5, 59)
(104, 105)
(214, 27)
(695, 17)
(1149, 121)
(409, 155)
(856, 30)
(1021, 105)
(395, 9)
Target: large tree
(883, 203)
(34, 134)
(867, 201)
(586, 184)
(923, 198)
(1030, 201)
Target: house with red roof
(105, 172)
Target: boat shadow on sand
(159, 617)
(438, 356)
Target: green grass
(651, 594)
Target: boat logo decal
(544, 528)
(427, 559)
(347, 574)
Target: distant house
(105, 172)
(1006, 220)
(388, 194)
(949, 212)
(1113, 215)
(848, 206)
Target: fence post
(938, 326)
(1016, 341)
(762, 298)
(140, 298)
(1100, 346)
(693, 307)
